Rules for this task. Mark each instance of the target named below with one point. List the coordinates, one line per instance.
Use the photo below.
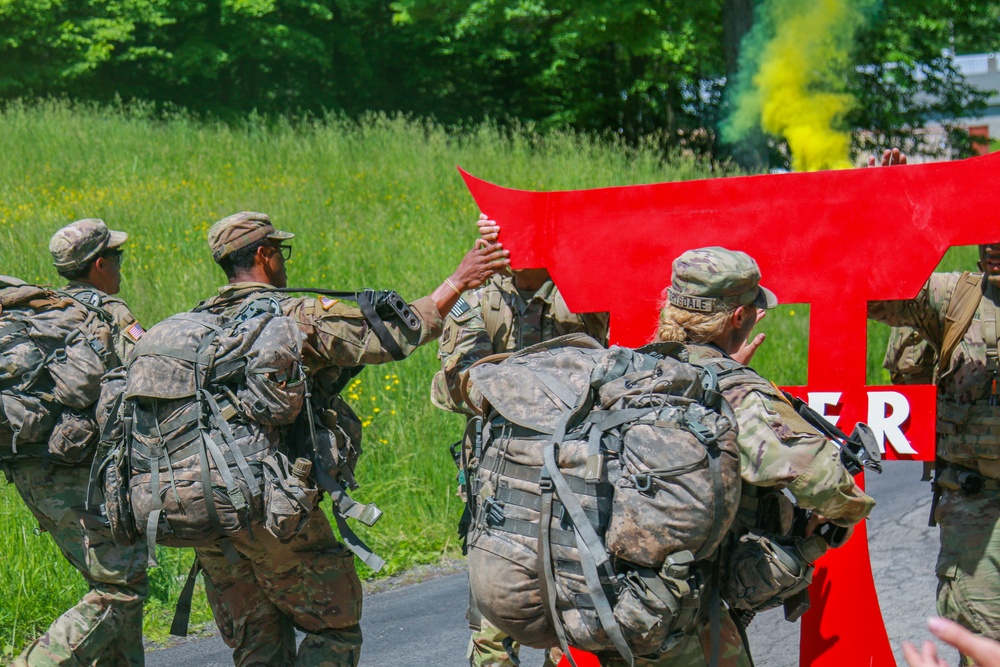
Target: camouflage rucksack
(203, 406)
(53, 351)
(603, 482)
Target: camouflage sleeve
(925, 313)
(464, 341)
(596, 326)
(337, 334)
(128, 328)
(778, 448)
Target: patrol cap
(79, 243)
(712, 279)
(240, 230)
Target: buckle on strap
(494, 511)
(643, 482)
(238, 499)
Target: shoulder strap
(495, 329)
(961, 309)
(730, 373)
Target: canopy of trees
(639, 69)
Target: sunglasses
(117, 254)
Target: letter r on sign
(887, 412)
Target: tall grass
(376, 203)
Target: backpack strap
(593, 555)
(958, 318)
(182, 614)
(344, 505)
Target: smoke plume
(791, 81)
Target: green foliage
(634, 69)
(907, 78)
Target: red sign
(835, 240)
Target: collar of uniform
(544, 293)
(706, 351)
(239, 288)
(79, 286)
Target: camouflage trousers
(104, 628)
(274, 588)
(486, 648)
(968, 566)
(695, 649)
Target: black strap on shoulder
(367, 307)
(96, 308)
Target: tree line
(641, 70)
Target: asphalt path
(423, 625)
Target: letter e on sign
(819, 400)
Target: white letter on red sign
(818, 400)
(885, 423)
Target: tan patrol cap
(240, 230)
(712, 279)
(78, 244)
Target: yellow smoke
(796, 92)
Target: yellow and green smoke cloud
(791, 82)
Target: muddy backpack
(603, 482)
(196, 455)
(53, 351)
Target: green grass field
(376, 203)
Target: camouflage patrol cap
(240, 230)
(714, 279)
(79, 243)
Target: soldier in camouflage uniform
(968, 444)
(105, 627)
(712, 305)
(309, 583)
(509, 313)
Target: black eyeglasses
(117, 254)
(285, 250)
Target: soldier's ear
(260, 257)
(740, 316)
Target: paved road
(424, 626)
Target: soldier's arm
(464, 341)
(925, 313)
(778, 448)
(128, 328)
(337, 333)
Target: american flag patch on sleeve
(135, 331)
(327, 302)
(461, 306)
